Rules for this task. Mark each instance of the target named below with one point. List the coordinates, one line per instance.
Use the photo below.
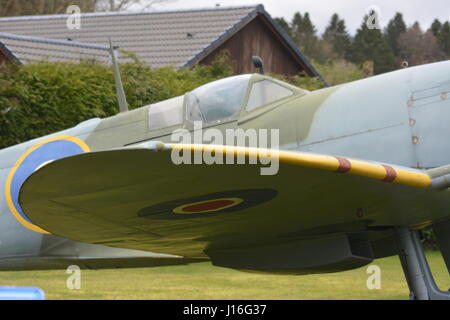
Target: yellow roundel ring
(34, 158)
(208, 206)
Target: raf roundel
(32, 160)
(207, 206)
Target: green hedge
(41, 98)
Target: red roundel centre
(208, 206)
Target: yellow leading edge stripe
(9, 200)
(330, 163)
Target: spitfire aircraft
(363, 167)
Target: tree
(308, 32)
(394, 29)
(36, 7)
(323, 52)
(336, 34)
(436, 27)
(304, 34)
(417, 47)
(284, 25)
(444, 38)
(340, 71)
(371, 45)
(296, 27)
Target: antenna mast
(123, 104)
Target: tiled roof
(159, 38)
(7, 52)
(28, 49)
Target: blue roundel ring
(37, 156)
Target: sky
(353, 11)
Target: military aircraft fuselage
(399, 118)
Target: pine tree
(393, 31)
(436, 27)
(296, 28)
(331, 29)
(304, 34)
(284, 25)
(444, 39)
(371, 45)
(336, 33)
(308, 28)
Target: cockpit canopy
(217, 100)
(221, 100)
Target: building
(6, 55)
(181, 38)
(24, 49)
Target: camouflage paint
(398, 118)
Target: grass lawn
(203, 281)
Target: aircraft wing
(137, 198)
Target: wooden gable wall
(258, 38)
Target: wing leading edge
(369, 169)
(137, 198)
